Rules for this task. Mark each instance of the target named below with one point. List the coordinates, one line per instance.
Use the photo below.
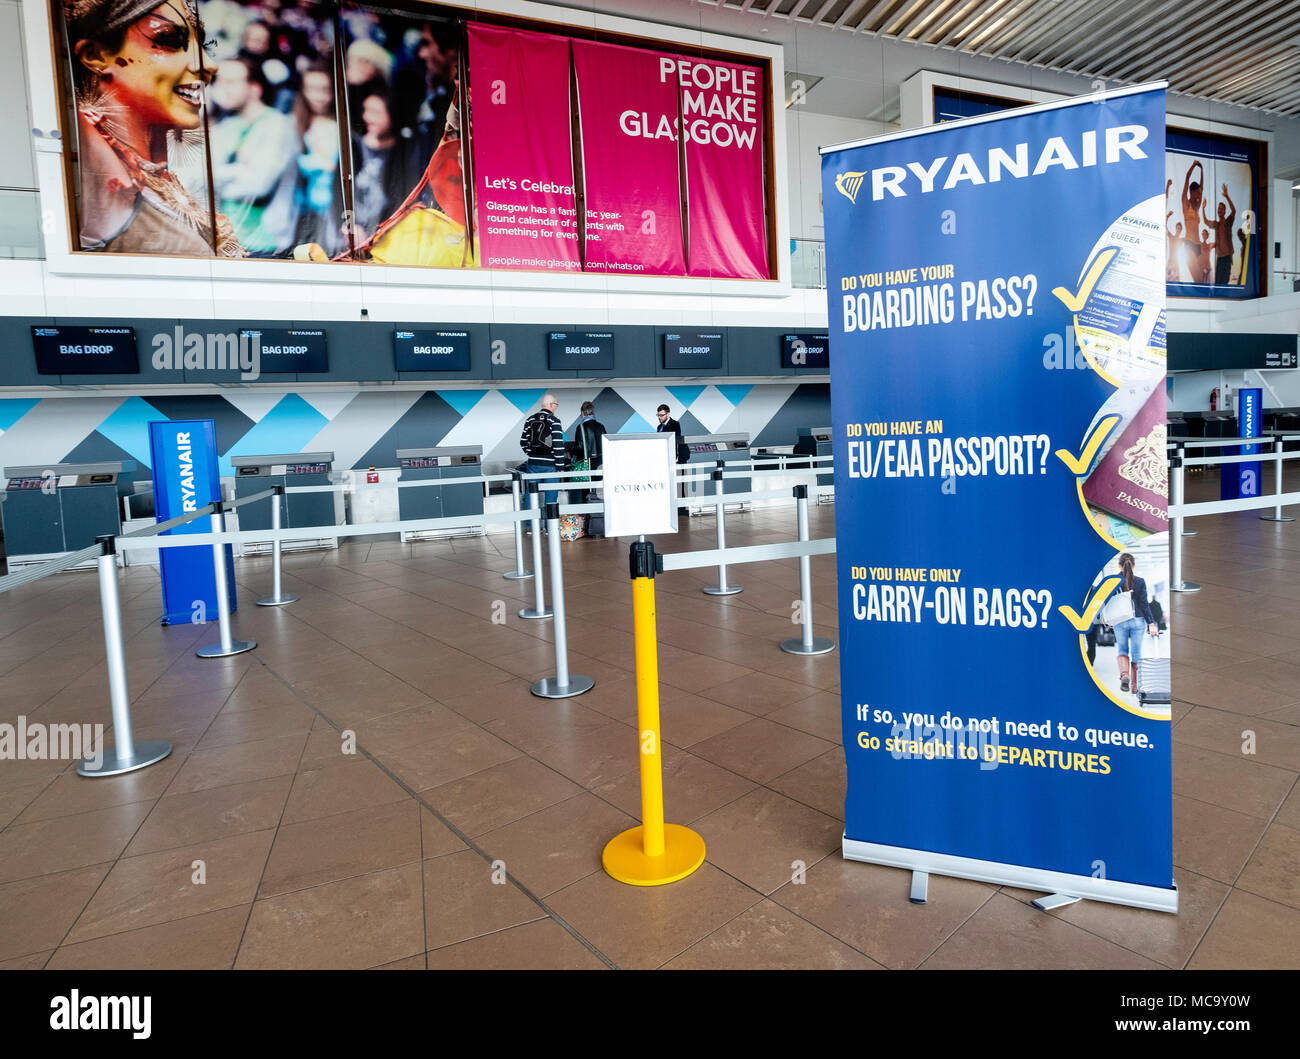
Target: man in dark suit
(669, 425)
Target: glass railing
(20, 224)
(807, 263)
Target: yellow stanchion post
(655, 852)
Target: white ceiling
(1240, 52)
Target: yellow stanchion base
(624, 857)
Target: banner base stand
(1053, 883)
(1054, 901)
(920, 888)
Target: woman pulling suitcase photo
(1129, 612)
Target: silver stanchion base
(515, 575)
(546, 688)
(113, 765)
(718, 590)
(1186, 586)
(271, 601)
(237, 647)
(533, 612)
(1189, 533)
(820, 646)
(1276, 518)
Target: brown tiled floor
(374, 786)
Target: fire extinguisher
(372, 475)
(1214, 399)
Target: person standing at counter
(586, 444)
(542, 441)
(667, 424)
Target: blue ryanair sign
(183, 453)
(993, 514)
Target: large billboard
(327, 130)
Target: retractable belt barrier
(128, 754)
(655, 852)
(564, 684)
(1179, 510)
(735, 469)
(721, 588)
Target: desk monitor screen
(85, 350)
(431, 350)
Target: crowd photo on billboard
(315, 130)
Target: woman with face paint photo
(140, 78)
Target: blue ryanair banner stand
(989, 494)
(1239, 480)
(184, 457)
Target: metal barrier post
(721, 588)
(1181, 453)
(807, 644)
(127, 755)
(563, 685)
(539, 609)
(1277, 515)
(518, 573)
(1176, 582)
(277, 598)
(227, 646)
(653, 852)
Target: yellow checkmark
(1075, 302)
(1084, 622)
(1095, 441)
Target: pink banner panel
(722, 121)
(630, 160)
(523, 160)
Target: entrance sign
(989, 504)
(640, 484)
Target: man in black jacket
(668, 424)
(542, 440)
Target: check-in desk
(706, 450)
(55, 508)
(255, 474)
(816, 441)
(448, 499)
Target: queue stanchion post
(1277, 515)
(227, 645)
(563, 685)
(127, 755)
(518, 573)
(807, 643)
(277, 598)
(1176, 582)
(1181, 453)
(721, 588)
(538, 609)
(654, 852)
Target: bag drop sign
(640, 484)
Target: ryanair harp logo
(847, 184)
